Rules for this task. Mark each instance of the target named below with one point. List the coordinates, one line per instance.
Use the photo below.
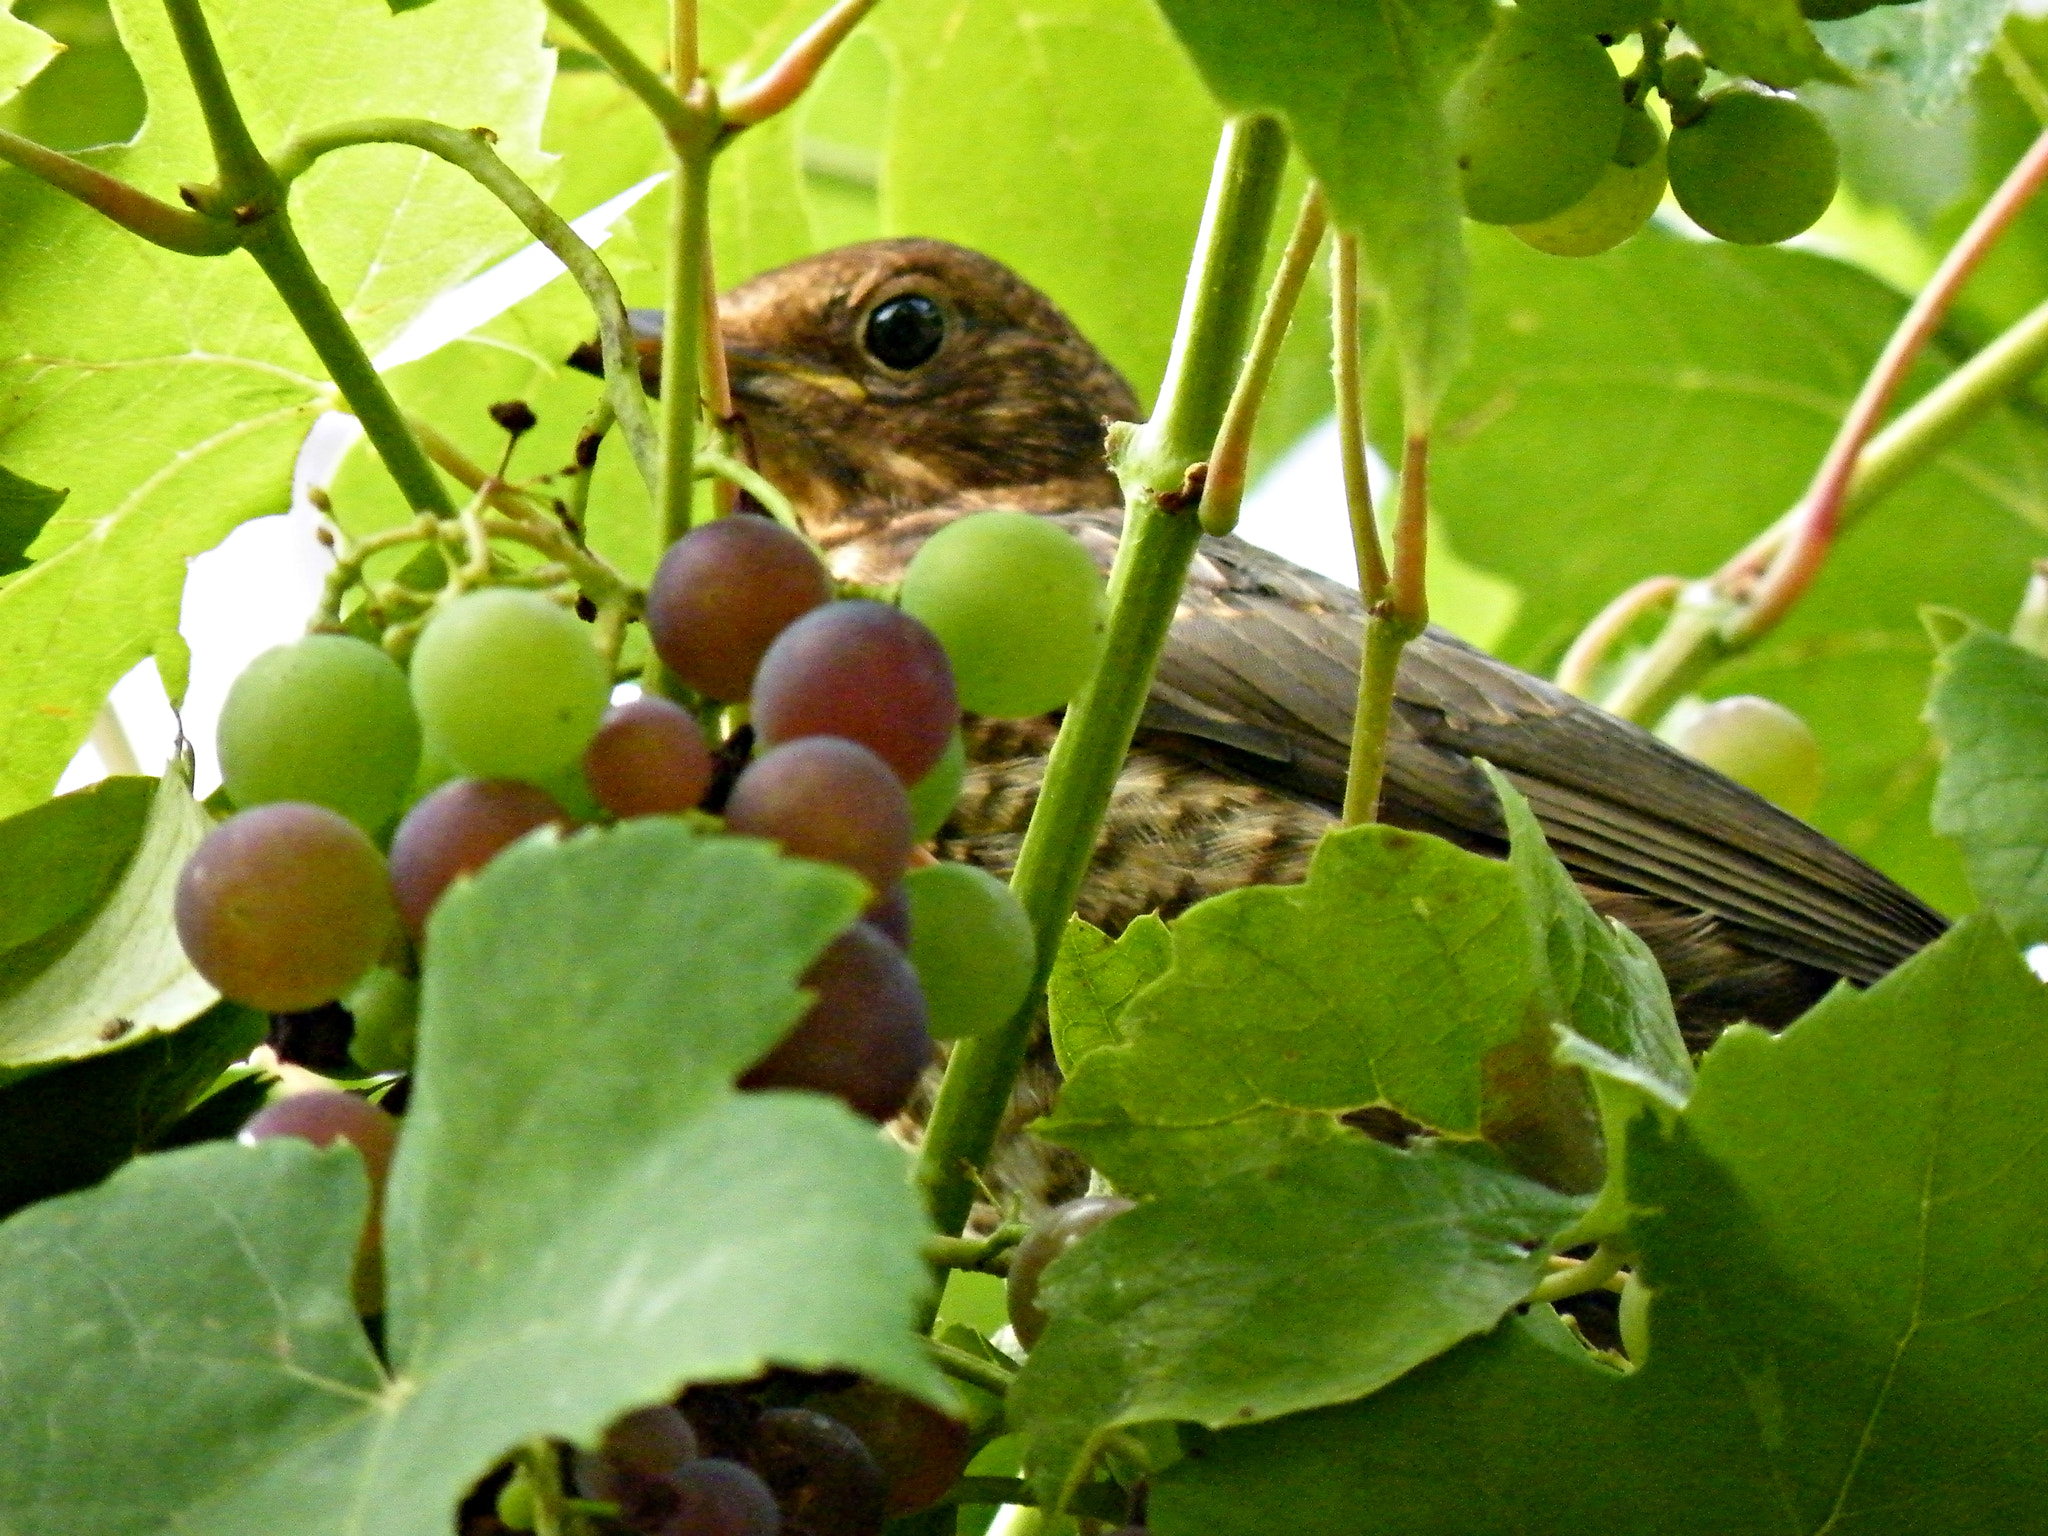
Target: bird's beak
(769, 379)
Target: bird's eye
(904, 333)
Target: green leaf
(1312, 1280)
(170, 393)
(1095, 977)
(24, 508)
(1932, 48)
(1850, 1325)
(70, 1126)
(581, 1217)
(1275, 1009)
(98, 961)
(1361, 88)
(24, 51)
(1650, 411)
(1990, 709)
(1768, 40)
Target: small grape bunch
(500, 727)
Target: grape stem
(781, 83)
(470, 151)
(1592, 1275)
(175, 229)
(1230, 458)
(1160, 467)
(1751, 594)
(989, 1255)
(1581, 664)
(249, 194)
(543, 1471)
(972, 1369)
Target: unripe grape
(1057, 1231)
(508, 684)
(865, 671)
(1753, 169)
(1532, 121)
(933, 797)
(822, 797)
(326, 719)
(284, 907)
(721, 595)
(456, 830)
(647, 758)
(386, 1008)
(1018, 605)
(864, 1039)
(1630, 187)
(1759, 744)
(972, 948)
(516, 1511)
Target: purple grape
(648, 758)
(457, 830)
(864, 1039)
(865, 671)
(721, 595)
(825, 798)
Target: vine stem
(1230, 458)
(175, 229)
(1350, 392)
(782, 82)
(1576, 672)
(469, 150)
(254, 192)
(1398, 616)
(1160, 467)
(1752, 592)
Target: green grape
(1753, 169)
(933, 797)
(1620, 202)
(516, 1509)
(385, 1005)
(972, 948)
(1634, 1319)
(327, 720)
(1018, 605)
(1592, 18)
(1532, 121)
(1759, 744)
(508, 685)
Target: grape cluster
(367, 783)
(1552, 142)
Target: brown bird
(892, 386)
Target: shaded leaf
(24, 508)
(1932, 47)
(1990, 708)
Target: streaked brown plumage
(1751, 913)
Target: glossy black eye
(904, 333)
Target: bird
(892, 386)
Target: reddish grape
(322, 1117)
(1057, 1231)
(921, 1452)
(824, 798)
(864, 1038)
(722, 1498)
(721, 595)
(284, 907)
(635, 1466)
(865, 671)
(647, 758)
(824, 1480)
(457, 830)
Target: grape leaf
(1768, 40)
(1932, 47)
(1850, 1324)
(71, 1125)
(24, 51)
(1990, 708)
(1095, 977)
(100, 964)
(1311, 1280)
(1361, 88)
(187, 377)
(573, 1224)
(1650, 411)
(1284, 1007)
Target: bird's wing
(1260, 674)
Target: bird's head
(902, 373)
